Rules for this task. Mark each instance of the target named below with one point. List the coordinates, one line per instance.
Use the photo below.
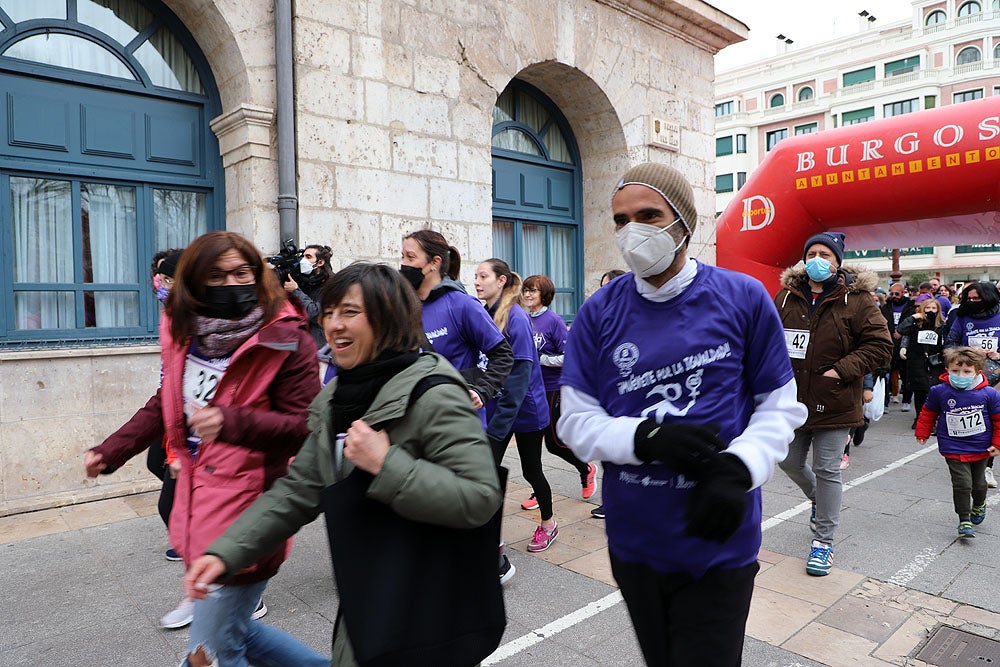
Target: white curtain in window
(71, 52)
(503, 240)
(120, 19)
(562, 257)
(24, 10)
(109, 223)
(179, 217)
(532, 250)
(42, 220)
(167, 63)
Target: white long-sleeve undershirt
(594, 435)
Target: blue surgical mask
(819, 269)
(961, 381)
(162, 293)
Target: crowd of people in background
(283, 400)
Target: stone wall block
(346, 14)
(434, 75)
(366, 57)
(422, 155)
(399, 63)
(44, 456)
(125, 382)
(379, 191)
(474, 164)
(424, 114)
(324, 93)
(40, 388)
(430, 34)
(460, 201)
(344, 142)
(393, 230)
(376, 103)
(319, 46)
(566, 20)
(316, 185)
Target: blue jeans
(222, 625)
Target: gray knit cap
(670, 184)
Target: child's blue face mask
(819, 269)
(961, 381)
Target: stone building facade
(395, 113)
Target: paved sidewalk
(86, 584)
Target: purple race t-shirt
(534, 412)
(459, 329)
(550, 333)
(964, 423)
(698, 358)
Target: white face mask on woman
(647, 250)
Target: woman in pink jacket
(239, 372)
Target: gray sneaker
(179, 617)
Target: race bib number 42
(796, 340)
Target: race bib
(796, 340)
(964, 425)
(986, 342)
(927, 337)
(201, 379)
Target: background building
(947, 53)
(134, 125)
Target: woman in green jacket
(398, 462)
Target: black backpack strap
(429, 381)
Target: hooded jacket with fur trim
(846, 332)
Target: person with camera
(306, 281)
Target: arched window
(537, 193)
(777, 100)
(970, 8)
(805, 93)
(107, 157)
(969, 54)
(935, 18)
(996, 49)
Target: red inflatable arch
(925, 178)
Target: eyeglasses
(530, 290)
(243, 275)
(895, 294)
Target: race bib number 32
(796, 340)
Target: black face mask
(412, 275)
(229, 302)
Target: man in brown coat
(835, 335)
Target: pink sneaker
(845, 462)
(530, 504)
(543, 539)
(588, 484)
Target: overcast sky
(807, 22)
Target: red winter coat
(264, 396)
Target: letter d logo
(758, 212)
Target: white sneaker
(179, 617)
(906, 407)
(991, 481)
(260, 611)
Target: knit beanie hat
(169, 264)
(670, 184)
(832, 240)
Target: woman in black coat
(923, 340)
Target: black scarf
(357, 387)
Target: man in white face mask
(676, 377)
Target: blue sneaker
(965, 529)
(172, 555)
(820, 559)
(978, 514)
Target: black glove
(718, 502)
(687, 448)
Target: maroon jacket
(264, 396)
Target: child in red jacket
(967, 412)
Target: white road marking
(569, 620)
(909, 572)
(515, 646)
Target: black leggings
(555, 445)
(156, 463)
(529, 450)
